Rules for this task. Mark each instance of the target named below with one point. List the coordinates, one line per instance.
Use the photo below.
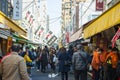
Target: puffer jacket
(27, 59)
(78, 62)
(13, 67)
(114, 59)
(95, 61)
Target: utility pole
(77, 16)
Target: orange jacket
(95, 61)
(103, 56)
(114, 58)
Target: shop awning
(77, 35)
(105, 21)
(22, 36)
(8, 22)
(19, 39)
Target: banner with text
(17, 9)
(99, 5)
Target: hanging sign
(116, 36)
(17, 9)
(99, 5)
(52, 40)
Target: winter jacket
(95, 61)
(13, 67)
(103, 56)
(80, 61)
(62, 58)
(44, 58)
(27, 59)
(114, 59)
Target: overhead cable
(87, 8)
(55, 21)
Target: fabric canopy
(105, 21)
(11, 24)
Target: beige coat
(13, 67)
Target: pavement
(48, 75)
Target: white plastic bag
(90, 68)
(55, 59)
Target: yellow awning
(24, 37)
(107, 20)
(8, 22)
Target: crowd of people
(105, 64)
(17, 64)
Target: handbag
(67, 63)
(29, 64)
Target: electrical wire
(54, 21)
(28, 6)
(55, 18)
(85, 11)
(87, 8)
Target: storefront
(19, 39)
(4, 35)
(7, 26)
(102, 29)
(77, 35)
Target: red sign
(49, 34)
(67, 37)
(41, 30)
(99, 5)
(116, 36)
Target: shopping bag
(29, 64)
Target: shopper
(80, 62)
(64, 67)
(96, 64)
(38, 60)
(111, 63)
(44, 61)
(51, 59)
(13, 66)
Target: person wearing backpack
(79, 61)
(111, 64)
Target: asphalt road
(38, 75)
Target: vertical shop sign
(99, 5)
(27, 15)
(17, 9)
(67, 37)
(52, 40)
(48, 35)
(41, 31)
(116, 36)
(37, 30)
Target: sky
(54, 12)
